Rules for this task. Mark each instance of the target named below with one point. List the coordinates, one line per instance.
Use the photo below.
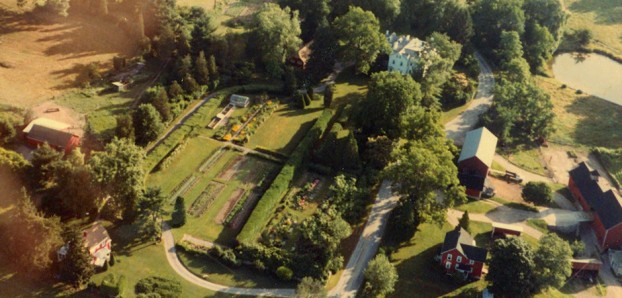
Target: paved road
(368, 243)
(457, 128)
(178, 267)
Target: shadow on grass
(607, 11)
(593, 128)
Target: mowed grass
(603, 18)
(184, 163)
(285, 128)
(476, 207)
(582, 120)
(349, 87)
(208, 5)
(528, 158)
(612, 161)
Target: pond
(595, 74)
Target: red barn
(56, 134)
(501, 230)
(475, 160)
(597, 196)
(587, 268)
(460, 254)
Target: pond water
(595, 74)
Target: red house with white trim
(475, 160)
(597, 196)
(98, 243)
(460, 254)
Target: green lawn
(497, 167)
(527, 158)
(447, 116)
(538, 224)
(476, 207)
(603, 18)
(579, 120)
(612, 161)
(183, 164)
(521, 206)
(285, 128)
(349, 87)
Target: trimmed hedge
(270, 199)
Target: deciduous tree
(553, 260)
(380, 277)
(539, 193)
(7, 131)
(201, 71)
(147, 124)
(311, 288)
(278, 30)
(511, 268)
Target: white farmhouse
(406, 53)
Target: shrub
(113, 285)
(284, 273)
(163, 287)
(264, 209)
(538, 193)
(178, 218)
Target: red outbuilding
(460, 254)
(597, 196)
(475, 160)
(56, 134)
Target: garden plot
(206, 198)
(234, 198)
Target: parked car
(488, 192)
(512, 177)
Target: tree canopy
(511, 268)
(278, 30)
(553, 260)
(380, 277)
(360, 38)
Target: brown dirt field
(44, 59)
(233, 168)
(507, 191)
(231, 202)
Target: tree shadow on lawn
(13, 22)
(127, 239)
(423, 273)
(600, 122)
(606, 11)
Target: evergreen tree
(7, 131)
(175, 92)
(201, 71)
(307, 99)
(328, 95)
(302, 102)
(178, 218)
(161, 104)
(75, 267)
(290, 83)
(190, 84)
(183, 67)
(112, 260)
(465, 221)
(213, 71)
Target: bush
(178, 217)
(165, 288)
(264, 209)
(538, 193)
(113, 285)
(284, 273)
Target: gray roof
(480, 143)
(461, 240)
(598, 194)
(51, 136)
(95, 234)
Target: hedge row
(270, 199)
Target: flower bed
(239, 129)
(230, 205)
(241, 211)
(205, 199)
(182, 187)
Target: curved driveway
(352, 277)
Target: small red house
(586, 268)
(56, 134)
(475, 160)
(460, 254)
(598, 197)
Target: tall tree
(389, 96)
(125, 127)
(464, 221)
(510, 47)
(547, 13)
(311, 288)
(278, 30)
(164, 43)
(213, 71)
(190, 85)
(539, 45)
(511, 268)
(43, 160)
(7, 131)
(147, 124)
(183, 67)
(74, 186)
(359, 37)
(150, 209)
(380, 277)
(425, 171)
(438, 65)
(492, 17)
(75, 267)
(161, 104)
(30, 239)
(201, 71)
(178, 217)
(553, 258)
(323, 54)
(118, 171)
(385, 10)
(175, 92)
(313, 13)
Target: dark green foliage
(178, 218)
(161, 104)
(539, 45)
(75, 267)
(360, 38)
(190, 85)
(548, 14)
(388, 98)
(43, 160)
(457, 91)
(73, 186)
(553, 261)
(147, 124)
(302, 103)
(125, 127)
(584, 37)
(160, 286)
(264, 209)
(440, 65)
(213, 71)
(164, 43)
(578, 249)
(539, 193)
(492, 17)
(149, 208)
(183, 67)
(511, 268)
(112, 260)
(113, 285)
(452, 17)
(284, 273)
(328, 95)
(464, 221)
(119, 63)
(201, 71)
(339, 150)
(175, 92)
(378, 151)
(348, 199)
(105, 267)
(310, 288)
(290, 83)
(380, 277)
(307, 99)
(277, 31)
(510, 47)
(323, 54)
(313, 13)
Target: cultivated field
(41, 59)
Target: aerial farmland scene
(311, 148)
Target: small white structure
(406, 53)
(98, 243)
(239, 100)
(120, 86)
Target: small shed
(586, 268)
(504, 230)
(120, 86)
(239, 100)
